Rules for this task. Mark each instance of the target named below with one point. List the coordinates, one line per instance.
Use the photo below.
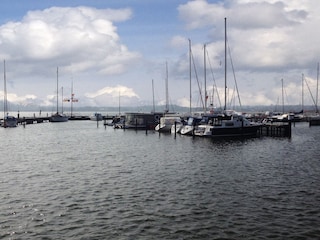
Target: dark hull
(235, 132)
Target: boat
(139, 121)
(190, 126)
(7, 121)
(58, 117)
(228, 123)
(168, 119)
(167, 122)
(96, 117)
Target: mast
(225, 63)
(153, 97)
(190, 71)
(167, 90)
(57, 90)
(62, 99)
(282, 97)
(205, 79)
(317, 88)
(302, 94)
(119, 103)
(5, 104)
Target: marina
(275, 129)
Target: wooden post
(175, 129)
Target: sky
(136, 51)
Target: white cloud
(79, 36)
(178, 42)
(12, 97)
(114, 92)
(110, 96)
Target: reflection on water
(76, 181)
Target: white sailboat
(168, 119)
(58, 117)
(7, 121)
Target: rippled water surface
(76, 181)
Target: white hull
(176, 128)
(167, 122)
(186, 130)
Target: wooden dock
(277, 129)
(39, 119)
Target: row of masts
(205, 73)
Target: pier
(40, 119)
(277, 129)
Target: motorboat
(226, 125)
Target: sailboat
(229, 123)
(168, 119)
(58, 117)
(8, 121)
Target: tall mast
(57, 90)
(5, 104)
(190, 71)
(282, 97)
(205, 79)
(225, 63)
(153, 97)
(62, 99)
(302, 94)
(317, 88)
(119, 104)
(167, 90)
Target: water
(76, 181)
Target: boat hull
(9, 122)
(59, 118)
(211, 131)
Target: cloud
(114, 92)
(23, 100)
(110, 96)
(179, 41)
(83, 37)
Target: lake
(75, 180)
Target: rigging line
(233, 99)
(195, 71)
(314, 102)
(285, 93)
(214, 81)
(234, 76)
